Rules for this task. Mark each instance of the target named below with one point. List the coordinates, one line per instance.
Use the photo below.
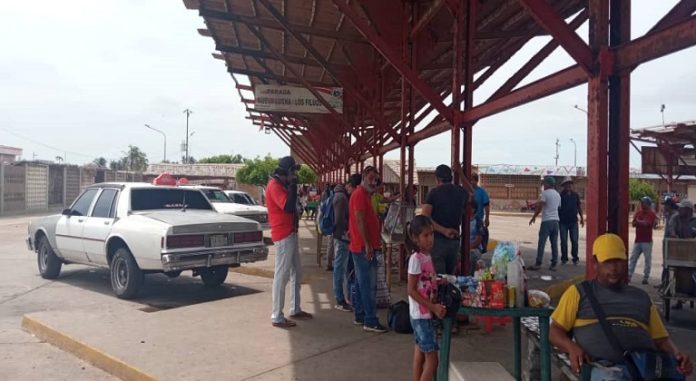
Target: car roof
(122, 185)
(235, 191)
(200, 187)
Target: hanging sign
(296, 99)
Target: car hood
(238, 209)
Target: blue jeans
(548, 229)
(365, 304)
(571, 228)
(639, 248)
(339, 269)
(424, 335)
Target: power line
(44, 144)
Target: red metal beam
(394, 59)
(657, 44)
(552, 22)
(428, 15)
(679, 12)
(537, 59)
(264, 55)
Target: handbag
(643, 364)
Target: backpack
(451, 297)
(327, 224)
(399, 319)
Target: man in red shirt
(644, 221)
(365, 243)
(283, 215)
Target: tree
(100, 161)
(306, 175)
(116, 165)
(257, 171)
(639, 188)
(223, 159)
(135, 159)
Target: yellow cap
(609, 246)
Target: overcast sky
(79, 78)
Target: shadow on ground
(158, 292)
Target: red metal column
(597, 102)
(468, 127)
(457, 82)
(619, 124)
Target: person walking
(644, 220)
(283, 216)
(445, 205)
(340, 243)
(571, 208)
(547, 206)
(365, 246)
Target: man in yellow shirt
(630, 312)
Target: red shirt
(282, 223)
(645, 221)
(360, 201)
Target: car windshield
(240, 198)
(251, 200)
(168, 198)
(215, 195)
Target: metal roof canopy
(674, 152)
(398, 61)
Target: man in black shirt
(445, 205)
(568, 213)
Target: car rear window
(168, 198)
(215, 195)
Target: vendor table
(515, 313)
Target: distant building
(9, 155)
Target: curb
(94, 356)
(556, 290)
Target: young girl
(422, 288)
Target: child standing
(422, 288)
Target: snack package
(538, 299)
(497, 294)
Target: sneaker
(378, 328)
(358, 322)
(552, 268)
(534, 268)
(575, 263)
(645, 281)
(563, 263)
(344, 307)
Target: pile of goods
(502, 284)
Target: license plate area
(218, 240)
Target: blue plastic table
(515, 313)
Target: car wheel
(126, 276)
(173, 274)
(49, 263)
(213, 276)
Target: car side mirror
(66, 212)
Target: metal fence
(31, 187)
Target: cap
(550, 180)
(686, 204)
(443, 172)
(646, 200)
(609, 246)
(288, 163)
(567, 179)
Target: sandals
(284, 324)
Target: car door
(98, 225)
(71, 225)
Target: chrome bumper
(30, 245)
(208, 258)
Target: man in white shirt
(548, 205)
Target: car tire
(126, 276)
(214, 276)
(48, 261)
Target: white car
(138, 228)
(223, 203)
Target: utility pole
(188, 113)
(558, 145)
(165, 139)
(575, 153)
(662, 111)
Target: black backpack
(399, 318)
(450, 296)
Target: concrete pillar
(2, 188)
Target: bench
(474, 371)
(530, 326)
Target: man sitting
(630, 312)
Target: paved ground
(177, 329)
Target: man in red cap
(283, 215)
